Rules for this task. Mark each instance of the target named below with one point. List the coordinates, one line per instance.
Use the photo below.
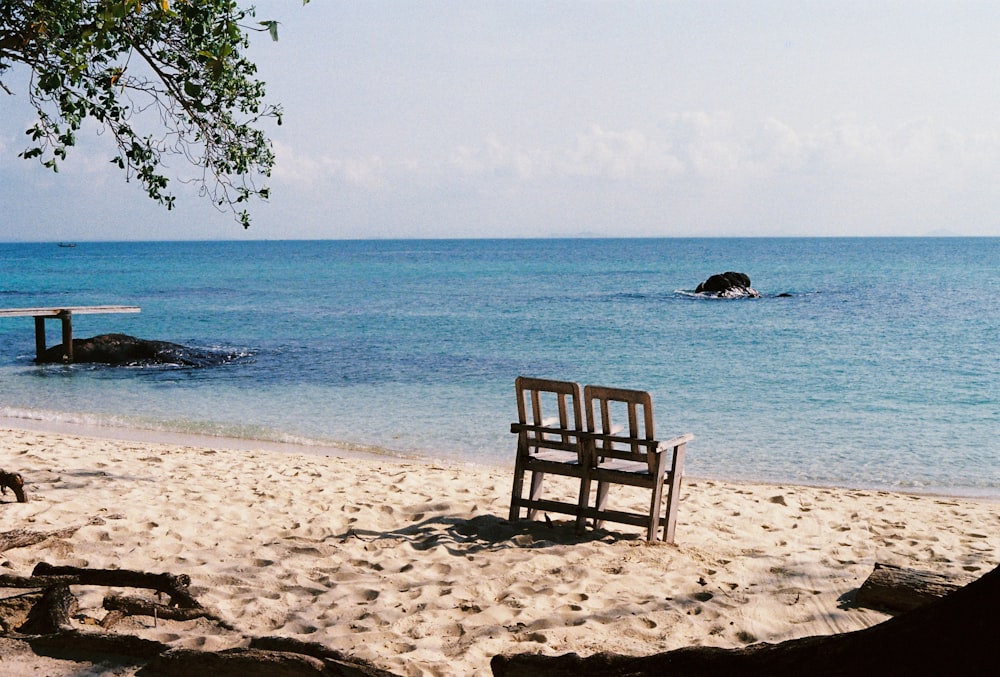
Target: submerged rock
(729, 285)
(121, 349)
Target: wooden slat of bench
(660, 445)
(563, 456)
(568, 439)
(547, 506)
(612, 458)
(620, 517)
(629, 478)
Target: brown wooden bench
(618, 446)
(624, 450)
(550, 440)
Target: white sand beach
(414, 567)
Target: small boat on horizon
(67, 244)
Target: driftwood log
(93, 644)
(256, 662)
(174, 585)
(49, 630)
(14, 482)
(136, 606)
(235, 663)
(51, 613)
(334, 660)
(159, 659)
(20, 538)
(955, 634)
(894, 589)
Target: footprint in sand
(365, 596)
(440, 569)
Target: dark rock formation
(121, 349)
(728, 285)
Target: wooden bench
(618, 446)
(624, 450)
(550, 440)
(65, 315)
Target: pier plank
(77, 310)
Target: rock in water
(121, 349)
(728, 285)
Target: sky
(535, 118)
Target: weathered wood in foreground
(331, 657)
(174, 585)
(954, 635)
(14, 482)
(51, 613)
(92, 645)
(241, 662)
(267, 657)
(49, 630)
(136, 606)
(895, 589)
(160, 659)
(20, 538)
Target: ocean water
(866, 363)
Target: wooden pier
(65, 315)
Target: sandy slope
(414, 567)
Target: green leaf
(202, 100)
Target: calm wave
(867, 362)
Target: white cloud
(294, 165)
(618, 155)
(492, 157)
(709, 148)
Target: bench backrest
(549, 413)
(620, 422)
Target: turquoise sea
(866, 363)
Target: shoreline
(413, 566)
(372, 452)
(168, 437)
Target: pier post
(67, 335)
(39, 338)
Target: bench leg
(673, 498)
(581, 504)
(515, 495)
(536, 491)
(655, 505)
(674, 492)
(602, 501)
